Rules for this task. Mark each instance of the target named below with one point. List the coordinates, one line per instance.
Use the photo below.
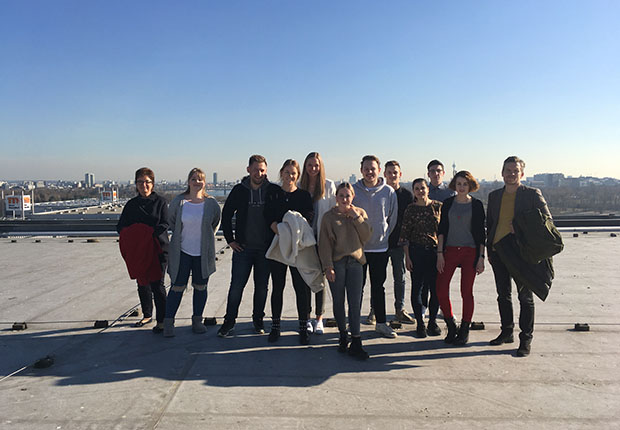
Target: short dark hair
(370, 158)
(257, 159)
(514, 159)
(392, 163)
(145, 171)
(473, 184)
(417, 181)
(434, 163)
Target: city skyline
(108, 87)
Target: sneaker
(433, 329)
(304, 337)
(318, 327)
(386, 331)
(274, 335)
(403, 317)
(259, 326)
(371, 317)
(226, 330)
(309, 326)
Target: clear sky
(110, 86)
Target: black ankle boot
(433, 329)
(451, 324)
(343, 344)
(463, 336)
(525, 346)
(420, 330)
(355, 349)
(505, 336)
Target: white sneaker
(385, 330)
(318, 326)
(310, 326)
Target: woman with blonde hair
(194, 219)
(278, 201)
(323, 192)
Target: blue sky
(110, 86)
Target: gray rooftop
(126, 377)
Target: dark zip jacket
(236, 205)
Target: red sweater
(141, 250)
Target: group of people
(343, 234)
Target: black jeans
(503, 285)
(376, 264)
(423, 277)
(155, 291)
(278, 280)
(243, 263)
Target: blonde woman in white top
(323, 192)
(194, 217)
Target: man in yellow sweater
(514, 198)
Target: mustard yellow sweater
(341, 236)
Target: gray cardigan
(210, 223)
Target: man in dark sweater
(396, 254)
(249, 242)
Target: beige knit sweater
(341, 236)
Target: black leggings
(278, 280)
(155, 291)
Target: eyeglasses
(144, 182)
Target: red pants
(454, 257)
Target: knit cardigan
(210, 223)
(342, 236)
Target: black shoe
(452, 328)
(524, 348)
(343, 344)
(259, 326)
(304, 337)
(274, 335)
(420, 330)
(159, 328)
(433, 329)
(226, 330)
(463, 336)
(505, 336)
(355, 349)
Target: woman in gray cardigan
(194, 218)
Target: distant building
(352, 179)
(89, 180)
(214, 178)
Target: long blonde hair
(201, 175)
(319, 187)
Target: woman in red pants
(461, 238)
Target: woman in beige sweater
(344, 230)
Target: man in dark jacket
(249, 243)
(504, 204)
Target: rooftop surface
(125, 377)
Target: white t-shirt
(191, 218)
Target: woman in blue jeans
(194, 217)
(344, 231)
(420, 223)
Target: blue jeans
(188, 264)
(242, 264)
(423, 276)
(348, 279)
(397, 257)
